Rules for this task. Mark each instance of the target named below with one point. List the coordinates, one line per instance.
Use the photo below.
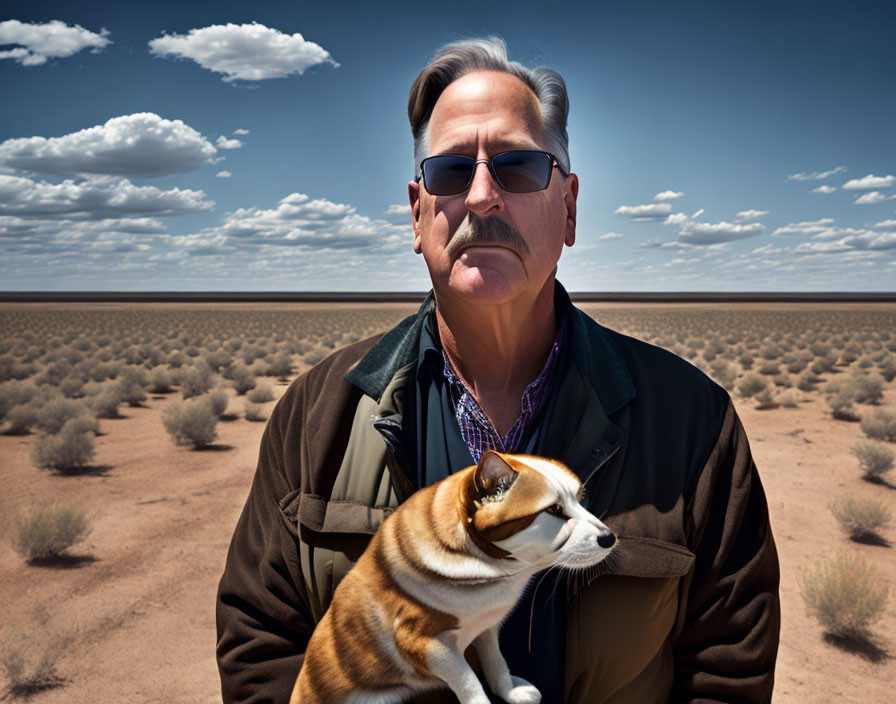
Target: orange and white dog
(443, 572)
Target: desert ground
(130, 611)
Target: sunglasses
(519, 171)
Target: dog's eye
(556, 510)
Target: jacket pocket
(620, 623)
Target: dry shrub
(197, 380)
(281, 365)
(769, 368)
(242, 378)
(317, 354)
(217, 399)
(56, 412)
(806, 381)
(765, 400)
(845, 595)
(15, 393)
(880, 425)
(106, 400)
(790, 398)
(25, 675)
(21, 419)
(261, 394)
(887, 367)
(132, 384)
(69, 449)
(751, 385)
(861, 519)
(191, 422)
(254, 412)
(875, 458)
(160, 381)
(869, 388)
(47, 530)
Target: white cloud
(668, 195)
(248, 52)
(224, 143)
(398, 212)
(870, 198)
(869, 183)
(885, 225)
(95, 198)
(823, 189)
(610, 236)
(224, 174)
(640, 213)
(241, 131)
(700, 233)
(750, 214)
(815, 175)
(54, 39)
(868, 241)
(142, 145)
(807, 227)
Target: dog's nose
(606, 541)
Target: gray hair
(488, 54)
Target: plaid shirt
(477, 430)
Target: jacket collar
(594, 353)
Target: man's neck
(497, 350)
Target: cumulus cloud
(224, 143)
(885, 225)
(641, 213)
(35, 43)
(867, 241)
(224, 174)
(807, 227)
(248, 52)
(95, 198)
(869, 183)
(610, 236)
(701, 233)
(870, 198)
(142, 145)
(398, 212)
(823, 189)
(241, 131)
(815, 175)
(750, 214)
(668, 195)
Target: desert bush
(132, 384)
(281, 365)
(864, 362)
(261, 394)
(845, 595)
(751, 385)
(841, 393)
(318, 353)
(15, 393)
(254, 412)
(850, 354)
(72, 386)
(105, 403)
(770, 351)
(196, 380)
(242, 378)
(217, 399)
(790, 398)
(783, 380)
(177, 359)
(47, 530)
(769, 368)
(22, 418)
(191, 422)
(160, 381)
(765, 399)
(881, 425)
(875, 458)
(71, 448)
(861, 519)
(887, 367)
(218, 360)
(806, 381)
(55, 413)
(869, 388)
(746, 361)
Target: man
(687, 606)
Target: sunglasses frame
(491, 168)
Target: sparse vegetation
(875, 458)
(48, 530)
(69, 449)
(261, 394)
(845, 595)
(191, 422)
(880, 425)
(254, 412)
(861, 519)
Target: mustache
(491, 230)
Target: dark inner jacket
(686, 607)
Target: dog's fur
(443, 572)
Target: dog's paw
(522, 692)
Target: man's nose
(485, 196)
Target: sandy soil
(139, 607)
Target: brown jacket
(687, 607)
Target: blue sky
(265, 146)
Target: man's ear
(414, 198)
(570, 194)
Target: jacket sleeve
(263, 621)
(727, 644)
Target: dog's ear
(493, 474)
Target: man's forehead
(489, 107)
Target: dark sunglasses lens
(523, 171)
(447, 175)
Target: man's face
(480, 115)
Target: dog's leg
(514, 690)
(447, 663)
